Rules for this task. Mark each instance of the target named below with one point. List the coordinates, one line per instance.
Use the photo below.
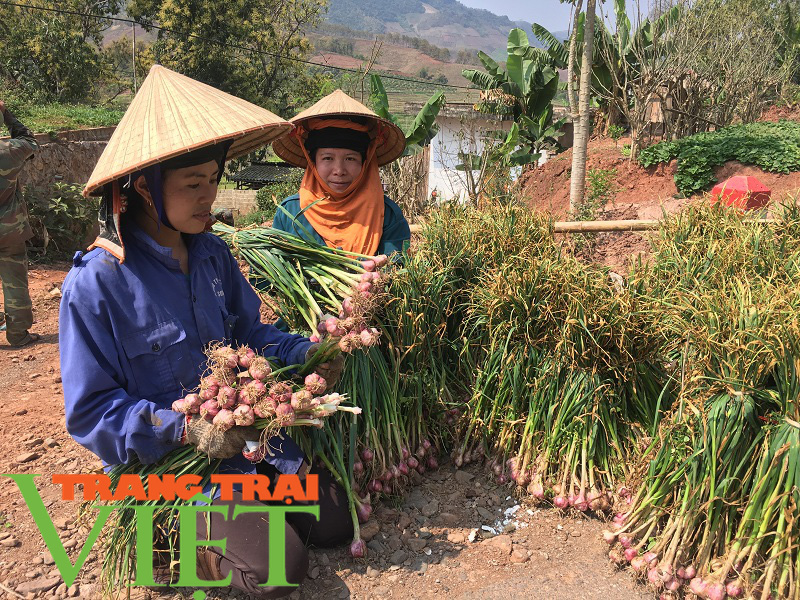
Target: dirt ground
(418, 548)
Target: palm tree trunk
(573, 44)
(578, 179)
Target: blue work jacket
(396, 232)
(132, 335)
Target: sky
(550, 13)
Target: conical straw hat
(339, 104)
(172, 114)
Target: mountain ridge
(446, 23)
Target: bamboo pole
(601, 226)
(628, 225)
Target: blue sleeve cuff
(299, 355)
(171, 429)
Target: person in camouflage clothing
(14, 232)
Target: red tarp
(742, 192)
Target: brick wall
(239, 201)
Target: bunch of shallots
(352, 328)
(241, 389)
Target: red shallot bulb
(654, 578)
(358, 549)
(380, 260)
(734, 589)
(243, 415)
(180, 405)
(715, 591)
(224, 420)
(331, 324)
(259, 368)
(265, 407)
(281, 392)
(626, 540)
(301, 400)
(363, 511)
(609, 537)
(315, 384)
(209, 409)
(536, 489)
(284, 414)
(226, 397)
(616, 557)
(245, 357)
(193, 401)
(698, 587)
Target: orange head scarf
(353, 219)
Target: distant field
(392, 60)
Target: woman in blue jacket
(154, 291)
(341, 144)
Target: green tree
(524, 88)
(55, 56)
(119, 54)
(197, 40)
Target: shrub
(60, 216)
(600, 190)
(269, 196)
(615, 132)
(772, 147)
(257, 217)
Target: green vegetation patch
(773, 147)
(45, 118)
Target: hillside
(638, 192)
(446, 23)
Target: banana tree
(524, 88)
(422, 130)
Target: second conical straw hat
(172, 114)
(339, 104)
